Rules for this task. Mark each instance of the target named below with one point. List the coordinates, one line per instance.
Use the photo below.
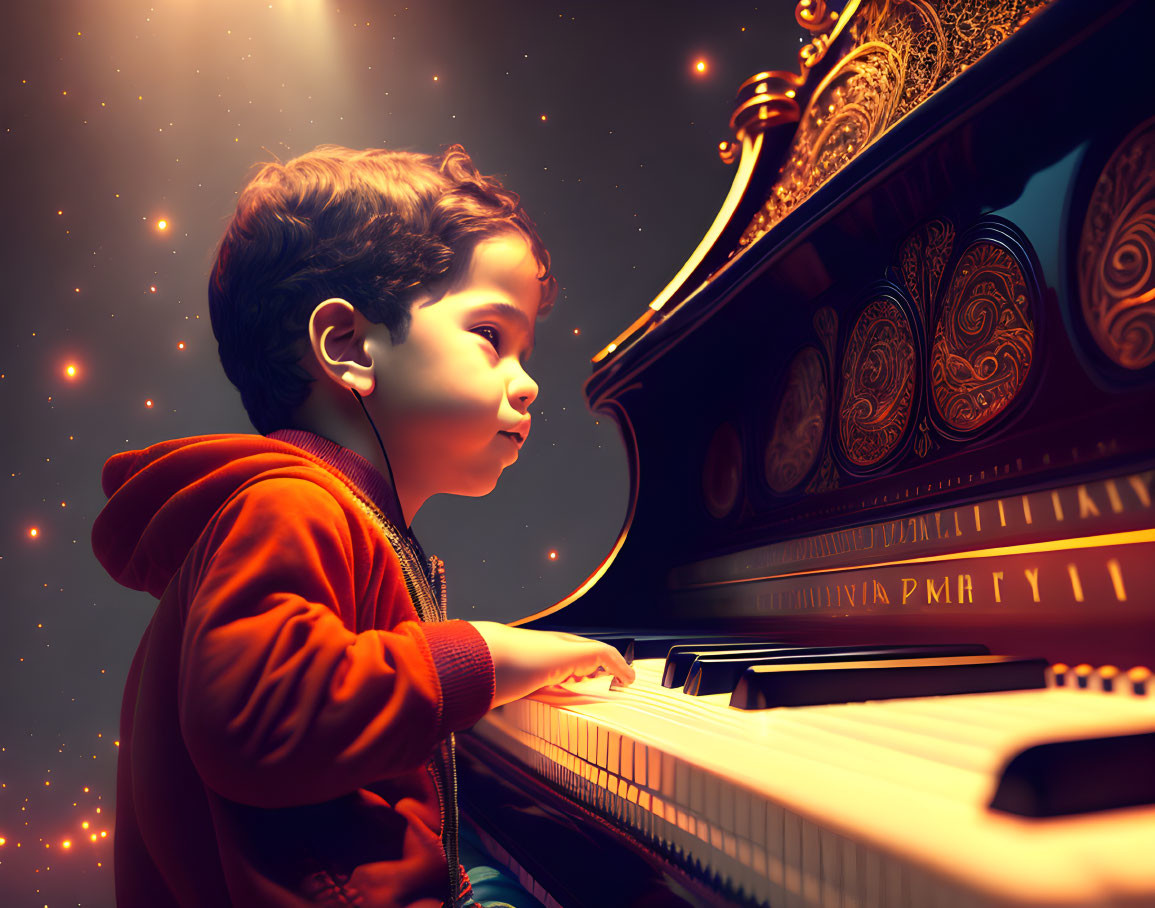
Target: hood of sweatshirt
(161, 498)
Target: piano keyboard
(882, 803)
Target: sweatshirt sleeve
(280, 702)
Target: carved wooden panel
(800, 422)
(984, 338)
(722, 471)
(878, 383)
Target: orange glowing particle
(435, 78)
(86, 789)
(103, 834)
(47, 783)
(63, 504)
(700, 66)
(577, 330)
(70, 370)
(3, 841)
(34, 532)
(148, 403)
(543, 118)
(84, 825)
(67, 843)
(162, 224)
(59, 211)
(93, 837)
(152, 287)
(553, 555)
(180, 346)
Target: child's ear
(337, 339)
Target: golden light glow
(70, 370)
(543, 118)
(67, 843)
(84, 825)
(34, 532)
(435, 78)
(148, 403)
(162, 224)
(180, 346)
(152, 287)
(700, 66)
(553, 555)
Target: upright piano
(887, 575)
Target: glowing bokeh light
(700, 66)
(152, 288)
(553, 555)
(162, 224)
(148, 403)
(180, 346)
(70, 370)
(34, 532)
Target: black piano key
(720, 674)
(766, 686)
(653, 646)
(682, 656)
(1067, 777)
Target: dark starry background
(118, 115)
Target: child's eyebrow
(510, 312)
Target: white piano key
(830, 845)
(792, 858)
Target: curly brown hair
(373, 227)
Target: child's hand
(526, 660)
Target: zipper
(431, 608)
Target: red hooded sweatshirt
(283, 719)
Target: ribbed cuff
(465, 669)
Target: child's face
(445, 395)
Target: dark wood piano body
(827, 439)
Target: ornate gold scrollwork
(901, 52)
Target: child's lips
(514, 437)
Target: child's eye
(495, 340)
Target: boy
(286, 735)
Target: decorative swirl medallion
(984, 339)
(1116, 251)
(800, 422)
(878, 383)
(722, 471)
(922, 259)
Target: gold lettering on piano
(880, 593)
(924, 533)
(1027, 510)
(1113, 496)
(932, 593)
(938, 526)
(1116, 579)
(1076, 586)
(1002, 515)
(1139, 484)
(1032, 575)
(957, 528)
(978, 521)
(1087, 507)
(908, 590)
(997, 576)
(1058, 505)
(965, 588)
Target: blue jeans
(493, 886)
